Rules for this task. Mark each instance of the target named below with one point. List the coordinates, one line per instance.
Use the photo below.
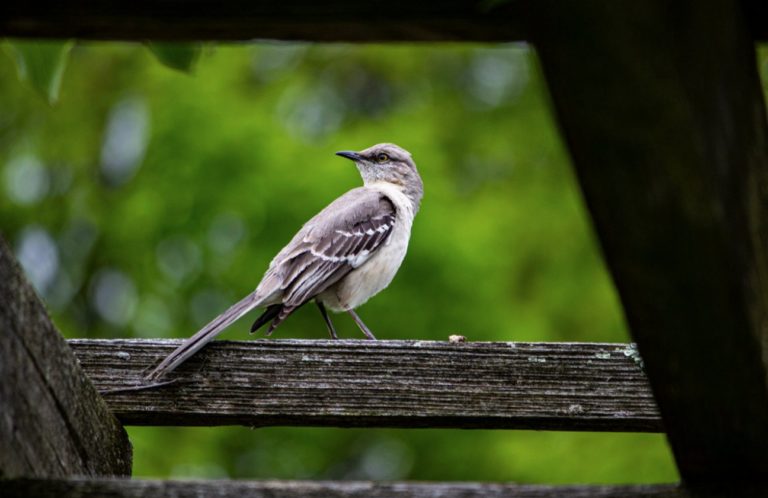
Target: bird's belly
(369, 279)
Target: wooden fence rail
(329, 20)
(352, 383)
(124, 488)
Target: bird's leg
(362, 326)
(328, 323)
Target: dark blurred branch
(379, 384)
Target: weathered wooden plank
(124, 488)
(351, 383)
(664, 116)
(330, 20)
(53, 423)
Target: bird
(340, 258)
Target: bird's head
(390, 164)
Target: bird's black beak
(350, 155)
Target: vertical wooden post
(662, 109)
(53, 423)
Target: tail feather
(269, 314)
(283, 313)
(205, 335)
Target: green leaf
(178, 56)
(41, 64)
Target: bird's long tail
(205, 335)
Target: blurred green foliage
(147, 200)
(41, 63)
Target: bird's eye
(382, 158)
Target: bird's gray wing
(339, 239)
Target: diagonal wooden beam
(53, 423)
(662, 109)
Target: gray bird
(342, 257)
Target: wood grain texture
(330, 20)
(123, 488)
(53, 423)
(311, 20)
(351, 383)
(670, 143)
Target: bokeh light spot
(125, 140)
(179, 258)
(26, 179)
(114, 296)
(39, 256)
